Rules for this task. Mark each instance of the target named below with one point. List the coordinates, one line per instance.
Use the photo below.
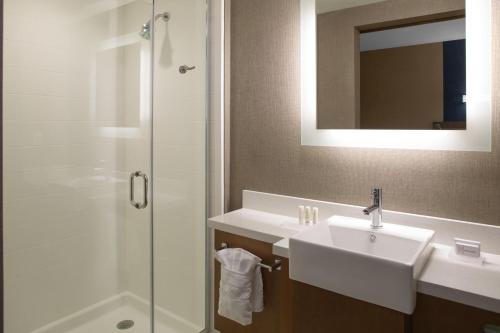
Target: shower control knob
(183, 69)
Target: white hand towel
(241, 291)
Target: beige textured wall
(266, 154)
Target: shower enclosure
(105, 165)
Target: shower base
(107, 323)
(104, 317)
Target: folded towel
(241, 290)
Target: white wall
(413, 35)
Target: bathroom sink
(345, 255)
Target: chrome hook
(183, 69)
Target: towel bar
(276, 266)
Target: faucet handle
(377, 196)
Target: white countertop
(472, 284)
(443, 277)
(254, 224)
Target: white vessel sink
(345, 255)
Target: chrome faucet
(376, 208)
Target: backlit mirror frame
(477, 136)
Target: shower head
(146, 27)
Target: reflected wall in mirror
(391, 64)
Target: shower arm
(146, 27)
(165, 16)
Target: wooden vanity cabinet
(315, 310)
(291, 306)
(294, 307)
(436, 315)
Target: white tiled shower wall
(71, 237)
(61, 221)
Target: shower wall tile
(65, 176)
(71, 237)
(181, 132)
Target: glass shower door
(77, 162)
(179, 166)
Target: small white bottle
(302, 215)
(308, 215)
(315, 215)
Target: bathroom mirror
(411, 74)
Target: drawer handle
(276, 266)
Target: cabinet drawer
(436, 315)
(315, 310)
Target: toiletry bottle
(302, 216)
(315, 215)
(308, 215)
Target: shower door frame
(216, 136)
(1, 168)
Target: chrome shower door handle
(144, 204)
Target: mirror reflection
(394, 64)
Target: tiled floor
(107, 323)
